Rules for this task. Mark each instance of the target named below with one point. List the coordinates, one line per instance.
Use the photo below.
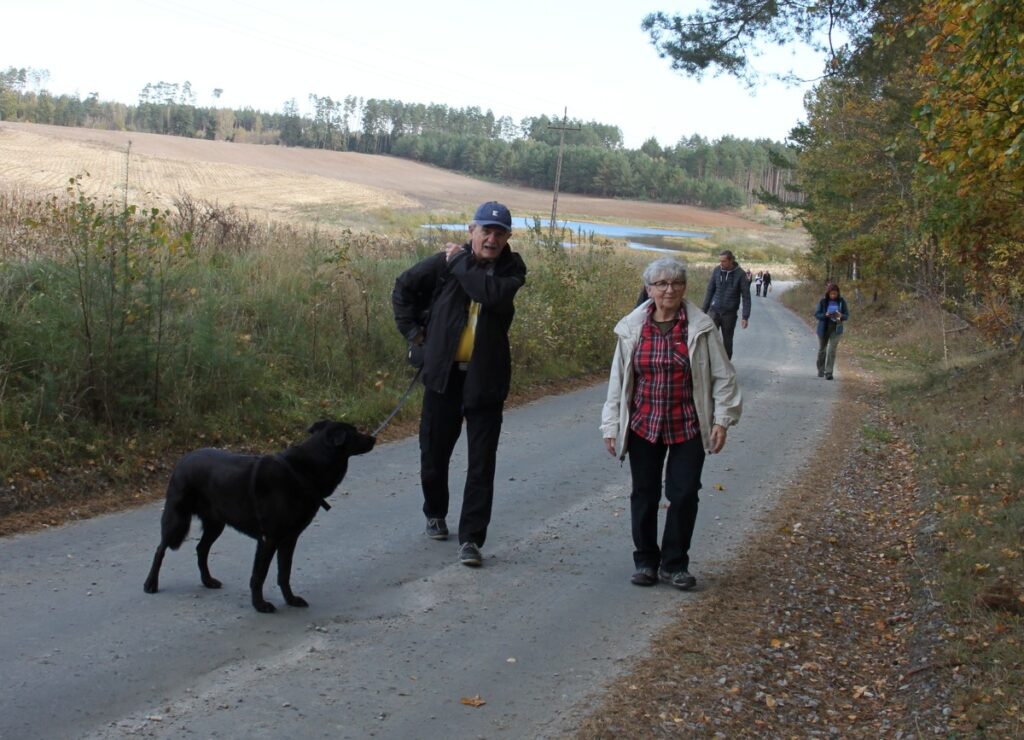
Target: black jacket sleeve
(413, 292)
(494, 289)
(745, 296)
(709, 294)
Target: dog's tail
(177, 517)
(254, 499)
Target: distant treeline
(715, 174)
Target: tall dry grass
(120, 324)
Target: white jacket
(715, 393)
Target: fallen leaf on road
(472, 701)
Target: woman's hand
(609, 444)
(718, 433)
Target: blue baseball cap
(493, 213)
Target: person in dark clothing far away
(766, 282)
(832, 313)
(727, 289)
(458, 306)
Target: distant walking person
(757, 282)
(832, 312)
(457, 305)
(727, 288)
(766, 283)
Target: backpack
(415, 353)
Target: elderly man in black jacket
(458, 306)
(727, 287)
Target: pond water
(636, 237)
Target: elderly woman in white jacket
(671, 392)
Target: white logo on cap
(494, 213)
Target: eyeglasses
(663, 285)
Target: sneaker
(437, 529)
(681, 579)
(644, 576)
(469, 554)
(828, 376)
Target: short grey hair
(665, 268)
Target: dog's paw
(297, 601)
(212, 582)
(264, 607)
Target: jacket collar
(699, 321)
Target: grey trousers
(827, 352)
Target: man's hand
(718, 433)
(609, 444)
(743, 323)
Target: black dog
(272, 498)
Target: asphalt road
(398, 633)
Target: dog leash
(401, 401)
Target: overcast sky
(519, 58)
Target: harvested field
(343, 188)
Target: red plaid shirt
(662, 407)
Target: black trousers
(440, 428)
(682, 482)
(727, 323)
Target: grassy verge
(129, 335)
(962, 403)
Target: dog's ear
(317, 426)
(337, 435)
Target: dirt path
(291, 183)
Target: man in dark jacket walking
(727, 287)
(458, 306)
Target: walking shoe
(681, 579)
(821, 373)
(828, 376)
(437, 529)
(469, 554)
(644, 576)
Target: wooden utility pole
(558, 167)
(127, 161)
